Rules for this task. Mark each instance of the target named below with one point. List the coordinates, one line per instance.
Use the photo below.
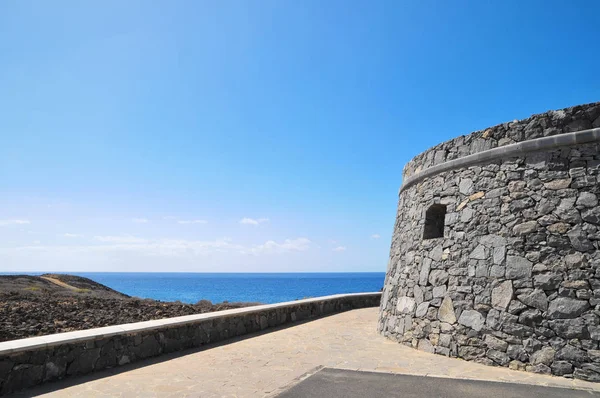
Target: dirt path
(59, 283)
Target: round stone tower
(495, 256)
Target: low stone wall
(28, 362)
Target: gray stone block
(564, 307)
(502, 295)
(536, 299)
(472, 319)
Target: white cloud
(192, 222)
(288, 245)
(138, 246)
(375, 236)
(167, 247)
(339, 249)
(36, 242)
(13, 222)
(252, 221)
(68, 235)
(140, 220)
(120, 239)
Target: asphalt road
(337, 383)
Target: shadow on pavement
(338, 383)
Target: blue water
(247, 287)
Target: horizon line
(191, 272)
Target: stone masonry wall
(515, 279)
(547, 124)
(24, 368)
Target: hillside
(56, 284)
(54, 303)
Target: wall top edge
(32, 343)
(516, 149)
(551, 123)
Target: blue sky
(136, 136)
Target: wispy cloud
(288, 245)
(375, 236)
(68, 235)
(139, 246)
(168, 247)
(192, 222)
(339, 249)
(13, 222)
(253, 221)
(140, 220)
(120, 239)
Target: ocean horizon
(266, 288)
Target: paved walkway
(266, 364)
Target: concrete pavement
(266, 364)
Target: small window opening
(434, 222)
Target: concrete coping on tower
(533, 145)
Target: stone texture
(544, 356)
(525, 228)
(572, 354)
(472, 319)
(561, 368)
(587, 199)
(446, 312)
(424, 274)
(516, 365)
(565, 307)
(518, 267)
(591, 215)
(479, 253)
(587, 375)
(499, 357)
(425, 345)
(439, 291)
(501, 295)
(422, 309)
(579, 239)
(520, 261)
(539, 368)
(438, 277)
(406, 305)
(495, 343)
(547, 281)
(418, 293)
(536, 299)
(558, 184)
(465, 186)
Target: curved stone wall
(511, 275)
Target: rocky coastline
(52, 303)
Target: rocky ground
(34, 306)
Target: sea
(266, 288)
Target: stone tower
(495, 256)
